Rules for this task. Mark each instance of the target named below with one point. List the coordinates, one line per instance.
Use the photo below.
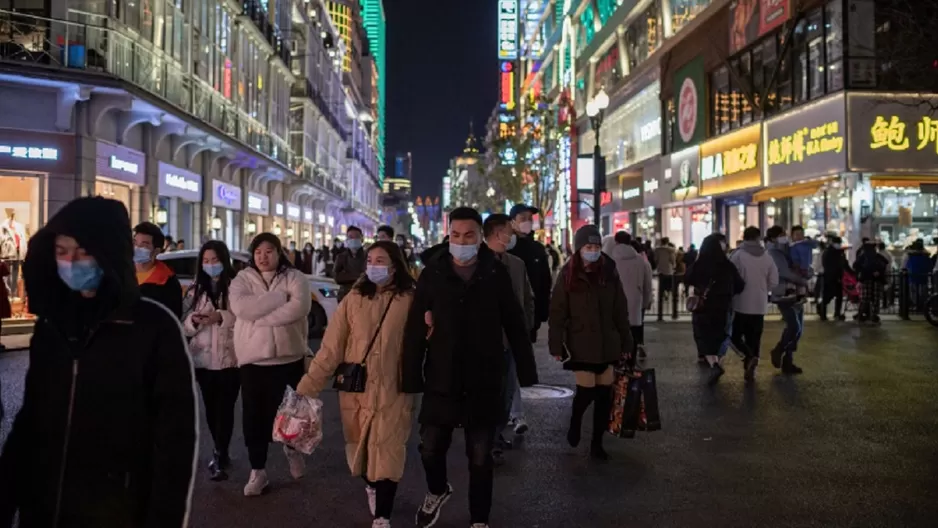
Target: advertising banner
(751, 19)
(630, 191)
(179, 183)
(690, 102)
(808, 142)
(120, 163)
(892, 133)
(682, 180)
(731, 162)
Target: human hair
(354, 228)
(623, 237)
(387, 230)
(773, 232)
(751, 233)
(203, 282)
(465, 213)
(153, 230)
(797, 228)
(402, 281)
(493, 222)
(665, 241)
(283, 263)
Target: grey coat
(520, 284)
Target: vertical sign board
(508, 85)
(507, 29)
(690, 100)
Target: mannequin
(13, 239)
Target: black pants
(434, 444)
(385, 490)
(638, 337)
(835, 291)
(747, 333)
(219, 394)
(262, 390)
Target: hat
(522, 208)
(588, 234)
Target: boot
(789, 367)
(601, 408)
(217, 467)
(581, 400)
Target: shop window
(833, 27)
(784, 82)
(757, 76)
(735, 98)
(745, 75)
(769, 49)
(800, 55)
(816, 66)
(683, 11)
(19, 220)
(644, 35)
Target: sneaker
(258, 483)
(372, 500)
(716, 372)
(790, 368)
(840, 317)
(297, 462)
(521, 426)
(479, 525)
(750, 368)
(217, 467)
(642, 354)
(381, 523)
(429, 513)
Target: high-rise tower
(376, 28)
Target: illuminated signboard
(532, 38)
(605, 198)
(807, 142)
(731, 162)
(178, 183)
(508, 85)
(508, 29)
(893, 133)
(651, 185)
(634, 192)
(258, 204)
(36, 153)
(293, 211)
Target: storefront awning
(789, 191)
(899, 181)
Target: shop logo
(631, 193)
(685, 173)
(293, 211)
(279, 209)
(651, 186)
(254, 202)
(30, 152)
(687, 110)
(308, 216)
(228, 195)
(651, 130)
(123, 165)
(180, 182)
(730, 162)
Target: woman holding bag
(210, 327)
(363, 343)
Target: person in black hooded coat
(108, 432)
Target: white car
(325, 291)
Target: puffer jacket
(758, 271)
(635, 275)
(270, 321)
(377, 422)
(212, 346)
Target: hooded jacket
(758, 271)
(108, 432)
(635, 276)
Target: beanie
(588, 234)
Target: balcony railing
(60, 44)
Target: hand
(198, 319)
(428, 320)
(557, 358)
(212, 318)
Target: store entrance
(20, 218)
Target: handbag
(696, 302)
(351, 377)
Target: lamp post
(595, 109)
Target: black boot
(581, 400)
(601, 408)
(789, 367)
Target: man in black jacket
(157, 281)
(534, 256)
(454, 354)
(108, 432)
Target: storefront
(323, 234)
(26, 161)
(294, 215)
(630, 133)
(180, 196)
(686, 217)
(730, 170)
(648, 220)
(120, 174)
(307, 229)
(258, 210)
(226, 214)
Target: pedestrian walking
(368, 329)
(715, 281)
(461, 368)
(535, 259)
(917, 262)
(835, 265)
(210, 329)
(789, 295)
(589, 324)
(758, 272)
(108, 432)
(665, 257)
(871, 267)
(385, 234)
(635, 276)
(270, 300)
(307, 260)
(157, 281)
(350, 262)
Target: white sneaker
(258, 483)
(479, 525)
(521, 426)
(381, 523)
(372, 501)
(297, 462)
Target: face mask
(723, 245)
(292, 247)
(377, 274)
(400, 243)
(782, 240)
(463, 253)
(837, 246)
(80, 275)
(354, 244)
(590, 256)
(511, 243)
(142, 255)
(526, 227)
(213, 270)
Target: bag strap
(378, 330)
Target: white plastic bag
(299, 422)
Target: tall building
(376, 30)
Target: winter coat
(589, 314)
(918, 262)
(665, 256)
(163, 287)
(270, 321)
(461, 367)
(835, 265)
(377, 422)
(211, 346)
(802, 255)
(348, 269)
(635, 276)
(520, 285)
(758, 271)
(107, 435)
(871, 265)
(721, 284)
(788, 277)
(535, 258)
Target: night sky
(442, 71)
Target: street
(852, 442)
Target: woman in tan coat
(377, 422)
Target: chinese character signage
(807, 142)
(731, 162)
(750, 19)
(37, 151)
(893, 133)
(690, 103)
(508, 29)
(508, 85)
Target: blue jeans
(729, 331)
(512, 394)
(793, 315)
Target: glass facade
(683, 11)
(644, 35)
(631, 132)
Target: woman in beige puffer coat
(377, 422)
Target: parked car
(324, 290)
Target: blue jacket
(801, 253)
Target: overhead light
(306, 234)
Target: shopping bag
(626, 404)
(650, 417)
(298, 424)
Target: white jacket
(635, 275)
(271, 325)
(211, 346)
(758, 270)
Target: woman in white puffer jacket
(271, 301)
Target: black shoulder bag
(351, 377)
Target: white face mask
(525, 227)
(782, 240)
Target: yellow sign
(731, 162)
(891, 133)
(806, 142)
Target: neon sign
(30, 152)
(124, 166)
(508, 29)
(806, 142)
(634, 192)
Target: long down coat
(377, 422)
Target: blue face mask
(463, 253)
(213, 270)
(511, 243)
(591, 256)
(80, 275)
(354, 244)
(377, 274)
(142, 255)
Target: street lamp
(595, 109)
